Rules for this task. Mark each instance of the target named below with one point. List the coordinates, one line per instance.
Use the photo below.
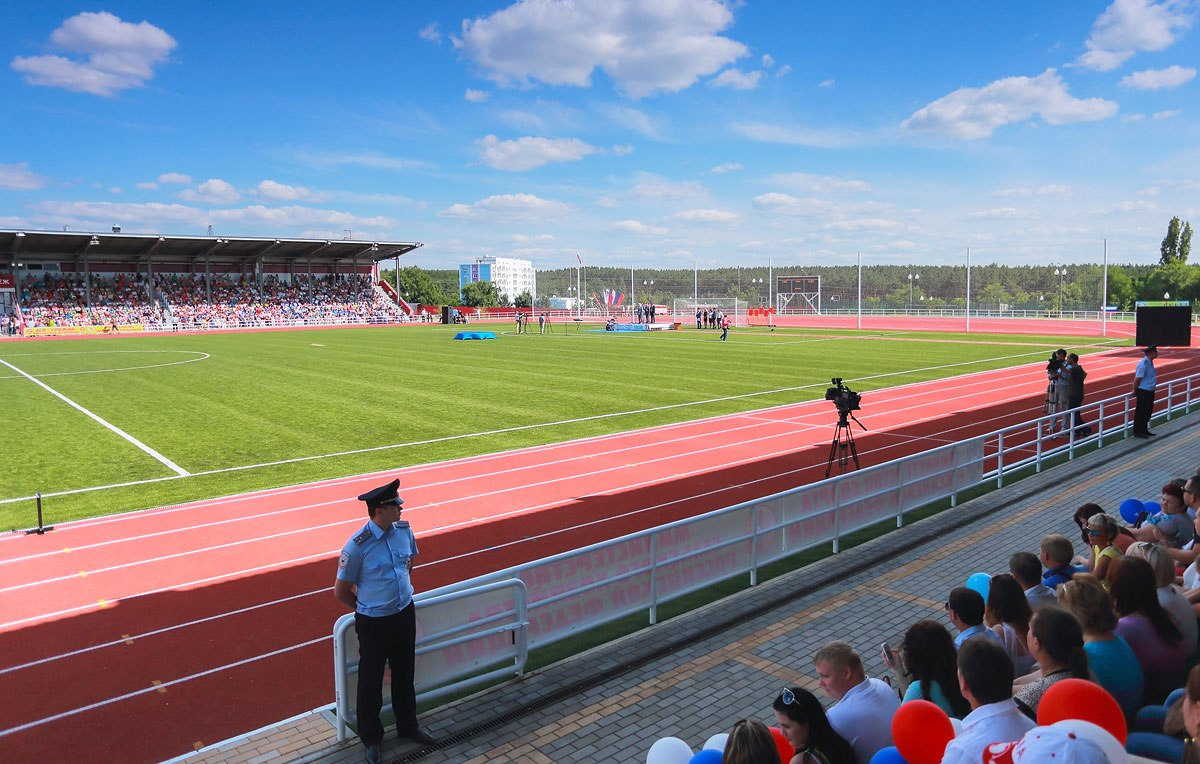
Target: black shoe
(372, 754)
(417, 736)
(1142, 435)
(1150, 434)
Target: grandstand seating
(181, 301)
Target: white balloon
(1101, 737)
(716, 742)
(957, 725)
(669, 750)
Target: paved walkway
(693, 676)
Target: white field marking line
(507, 430)
(174, 556)
(169, 532)
(203, 357)
(180, 471)
(174, 587)
(158, 632)
(158, 687)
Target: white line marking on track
(159, 687)
(180, 471)
(201, 357)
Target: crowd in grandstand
(1107, 636)
(186, 301)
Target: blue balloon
(1130, 510)
(1152, 508)
(707, 756)
(980, 582)
(889, 755)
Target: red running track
(142, 636)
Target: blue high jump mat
(475, 336)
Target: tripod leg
(853, 448)
(833, 450)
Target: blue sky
(646, 133)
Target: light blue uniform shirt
(376, 563)
(1145, 372)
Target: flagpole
(1104, 295)
(578, 291)
(968, 290)
(632, 288)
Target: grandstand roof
(18, 247)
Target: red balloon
(1080, 699)
(921, 730)
(782, 745)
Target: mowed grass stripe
(268, 397)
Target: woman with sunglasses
(802, 719)
(1124, 535)
(1102, 530)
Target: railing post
(653, 579)
(41, 527)
(754, 545)
(1000, 457)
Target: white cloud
(175, 177)
(736, 79)
(819, 184)
(475, 96)
(660, 189)
(213, 191)
(1136, 206)
(1128, 27)
(18, 177)
(510, 207)
(727, 167)
(643, 47)
(273, 190)
(1168, 114)
(146, 185)
(826, 83)
(636, 227)
(863, 224)
(767, 61)
(110, 55)
(622, 151)
(1047, 190)
(999, 213)
(786, 203)
(373, 161)
(704, 216)
(529, 153)
(540, 239)
(972, 113)
(796, 136)
(431, 33)
(1158, 79)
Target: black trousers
(390, 641)
(1073, 404)
(1142, 411)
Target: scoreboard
(1164, 322)
(797, 284)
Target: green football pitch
(107, 425)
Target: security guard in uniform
(373, 581)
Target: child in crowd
(1102, 530)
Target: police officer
(1145, 379)
(373, 581)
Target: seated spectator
(1191, 716)
(750, 742)
(1056, 554)
(1168, 596)
(1027, 569)
(806, 727)
(1172, 527)
(1110, 658)
(1056, 641)
(985, 678)
(1103, 531)
(1124, 537)
(1007, 614)
(1148, 628)
(864, 709)
(928, 664)
(965, 608)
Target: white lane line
(180, 471)
(159, 687)
(158, 632)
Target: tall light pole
(648, 287)
(1062, 274)
(756, 285)
(911, 278)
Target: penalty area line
(103, 423)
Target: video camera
(843, 397)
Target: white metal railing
(503, 614)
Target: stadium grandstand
(83, 282)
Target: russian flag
(613, 297)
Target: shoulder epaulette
(362, 537)
(401, 524)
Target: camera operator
(1056, 393)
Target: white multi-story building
(510, 276)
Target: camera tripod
(842, 448)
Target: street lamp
(649, 287)
(911, 278)
(1061, 273)
(756, 285)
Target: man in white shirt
(1027, 569)
(864, 709)
(985, 678)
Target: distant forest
(1027, 287)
